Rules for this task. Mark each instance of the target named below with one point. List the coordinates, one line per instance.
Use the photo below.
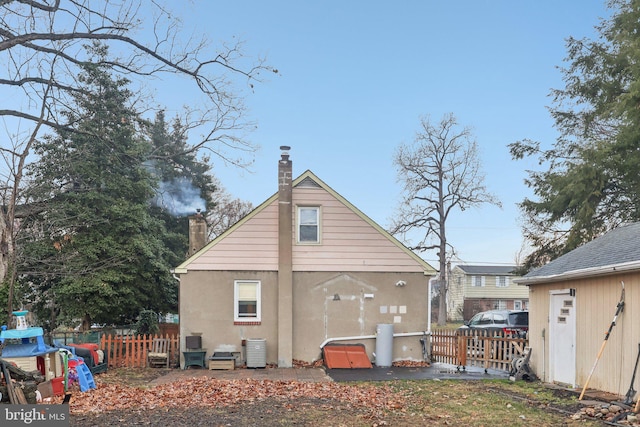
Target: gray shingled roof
(618, 246)
(488, 270)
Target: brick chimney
(285, 268)
(197, 233)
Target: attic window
(308, 224)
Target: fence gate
(473, 347)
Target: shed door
(562, 337)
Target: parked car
(514, 322)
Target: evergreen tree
(591, 184)
(184, 184)
(94, 250)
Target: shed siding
(538, 321)
(596, 300)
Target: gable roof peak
(307, 182)
(309, 179)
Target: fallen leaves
(302, 364)
(203, 391)
(411, 364)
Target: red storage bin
(58, 386)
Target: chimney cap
(285, 148)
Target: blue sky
(356, 76)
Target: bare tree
(226, 212)
(440, 172)
(42, 49)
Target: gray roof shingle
(488, 270)
(618, 246)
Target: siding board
(596, 300)
(349, 241)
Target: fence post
(461, 356)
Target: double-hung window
(308, 224)
(477, 280)
(246, 298)
(502, 281)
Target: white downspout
(369, 337)
(429, 305)
(181, 332)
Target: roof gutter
(582, 273)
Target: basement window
(308, 224)
(246, 299)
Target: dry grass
(488, 403)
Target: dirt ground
(125, 398)
(271, 411)
(132, 376)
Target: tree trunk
(442, 258)
(86, 323)
(442, 304)
(5, 260)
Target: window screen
(247, 300)
(308, 224)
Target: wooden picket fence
(444, 346)
(131, 350)
(460, 348)
(486, 349)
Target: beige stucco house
(573, 302)
(476, 288)
(304, 268)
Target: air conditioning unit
(256, 353)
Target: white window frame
(502, 285)
(236, 302)
(299, 225)
(474, 281)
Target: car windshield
(521, 318)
